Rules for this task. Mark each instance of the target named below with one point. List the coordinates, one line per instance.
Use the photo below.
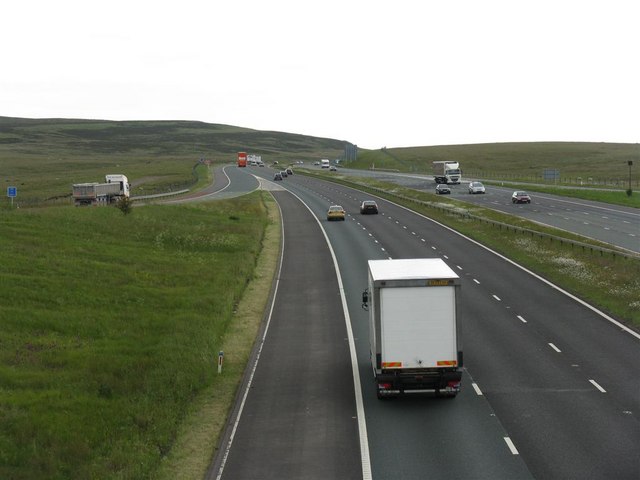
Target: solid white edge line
(255, 365)
(217, 191)
(511, 446)
(362, 424)
(595, 384)
(224, 170)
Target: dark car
(442, 188)
(520, 197)
(277, 176)
(368, 206)
(284, 174)
(289, 171)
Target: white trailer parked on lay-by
(116, 186)
(414, 334)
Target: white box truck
(414, 334)
(447, 172)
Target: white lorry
(324, 163)
(447, 172)
(414, 334)
(115, 187)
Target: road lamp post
(630, 163)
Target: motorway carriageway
(550, 387)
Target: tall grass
(110, 326)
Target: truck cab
(447, 172)
(122, 180)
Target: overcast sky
(375, 73)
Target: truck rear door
(418, 327)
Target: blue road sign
(12, 192)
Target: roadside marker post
(220, 360)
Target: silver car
(476, 187)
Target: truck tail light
(454, 385)
(385, 386)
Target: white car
(476, 187)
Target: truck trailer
(447, 172)
(115, 187)
(414, 334)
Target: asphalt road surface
(551, 388)
(299, 418)
(613, 224)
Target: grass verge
(110, 330)
(199, 435)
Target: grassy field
(591, 171)
(578, 163)
(43, 158)
(110, 330)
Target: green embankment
(584, 169)
(527, 160)
(111, 325)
